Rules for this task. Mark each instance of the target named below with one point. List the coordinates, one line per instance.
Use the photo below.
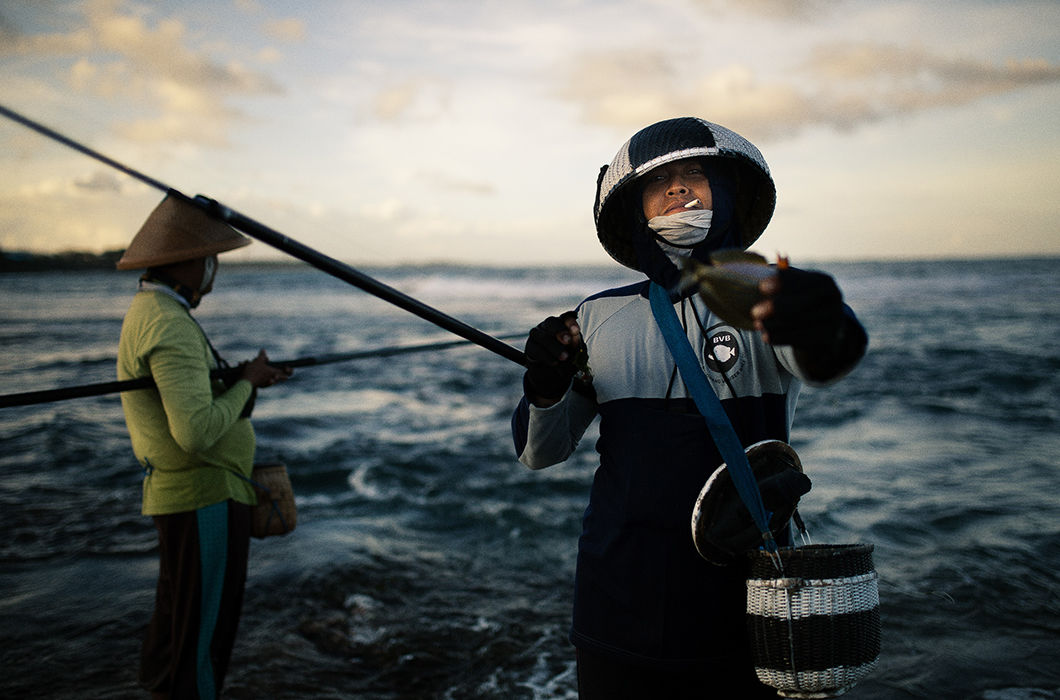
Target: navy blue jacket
(642, 592)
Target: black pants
(201, 577)
(605, 678)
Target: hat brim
(175, 231)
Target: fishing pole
(292, 247)
(28, 398)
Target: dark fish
(729, 285)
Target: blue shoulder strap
(709, 405)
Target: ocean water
(428, 563)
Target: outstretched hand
(801, 308)
(805, 310)
(551, 349)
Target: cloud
(419, 98)
(116, 54)
(95, 210)
(873, 81)
(775, 9)
(161, 53)
(395, 100)
(13, 43)
(627, 90)
(100, 181)
(35, 194)
(839, 85)
(622, 88)
(285, 29)
(452, 183)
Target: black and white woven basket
(815, 624)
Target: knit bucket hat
(618, 204)
(176, 231)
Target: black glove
(807, 310)
(547, 376)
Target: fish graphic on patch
(724, 352)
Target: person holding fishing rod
(652, 618)
(194, 439)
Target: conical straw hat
(177, 230)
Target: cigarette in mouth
(691, 204)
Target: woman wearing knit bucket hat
(194, 440)
(652, 618)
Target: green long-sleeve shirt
(187, 434)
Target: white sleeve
(786, 357)
(554, 432)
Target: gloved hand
(551, 351)
(802, 308)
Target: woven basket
(815, 626)
(275, 513)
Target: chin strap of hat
(709, 405)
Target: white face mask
(680, 232)
(208, 273)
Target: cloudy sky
(462, 130)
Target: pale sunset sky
(404, 132)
